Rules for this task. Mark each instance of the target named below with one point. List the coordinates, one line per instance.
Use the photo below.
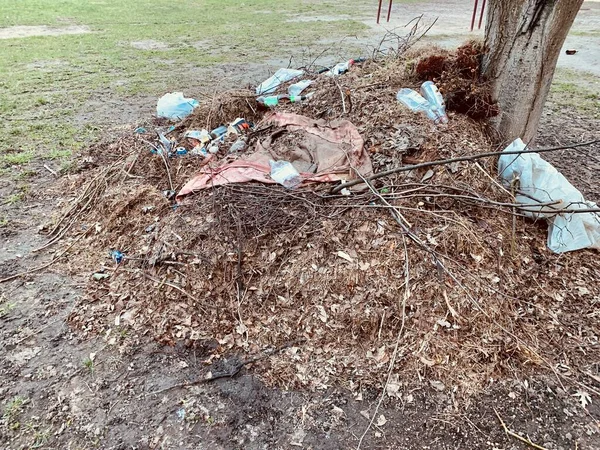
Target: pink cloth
(321, 151)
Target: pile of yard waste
(200, 233)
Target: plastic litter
(202, 136)
(297, 88)
(174, 106)
(181, 151)
(340, 68)
(275, 100)
(165, 142)
(100, 276)
(284, 173)
(117, 256)
(199, 150)
(417, 103)
(140, 130)
(219, 132)
(281, 76)
(540, 183)
(238, 146)
(239, 125)
(432, 94)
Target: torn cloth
(321, 151)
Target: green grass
(47, 81)
(578, 90)
(12, 410)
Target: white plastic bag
(281, 76)
(174, 106)
(417, 103)
(540, 182)
(297, 88)
(284, 173)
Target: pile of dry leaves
(429, 274)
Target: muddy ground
(62, 389)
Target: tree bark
(524, 39)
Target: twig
(337, 83)
(53, 172)
(162, 154)
(233, 372)
(441, 162)
(516, 436)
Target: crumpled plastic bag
(540, 182)
(174, 106)
(281, 76)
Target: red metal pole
(481, 16)
(474, 14)
(379, 11)
(390, 10)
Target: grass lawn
(135, 49)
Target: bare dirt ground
(63, 389)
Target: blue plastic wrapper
(117, 256)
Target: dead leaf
(583, 397)
(323, 316)
(427, 175)
(444, 323)
(437, 385)
(345, 256)
(393, 386)
(364, 266)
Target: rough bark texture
(524, 39)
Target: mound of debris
(431, 272)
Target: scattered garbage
(324, 152)
(434, 108)
(571, 52)
(547, 191)
(202, 135)
(199, 150)
(219, 132)
(117, 256)
(297, 88)
(238, 146)
(100, 276)
(284, 173)
(340, 68)
(239, 125)
(140, 130)
(181, 151)
(275, 100)
(432, 94)
(281, 76)
(174, 106)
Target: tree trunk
(524, 39)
